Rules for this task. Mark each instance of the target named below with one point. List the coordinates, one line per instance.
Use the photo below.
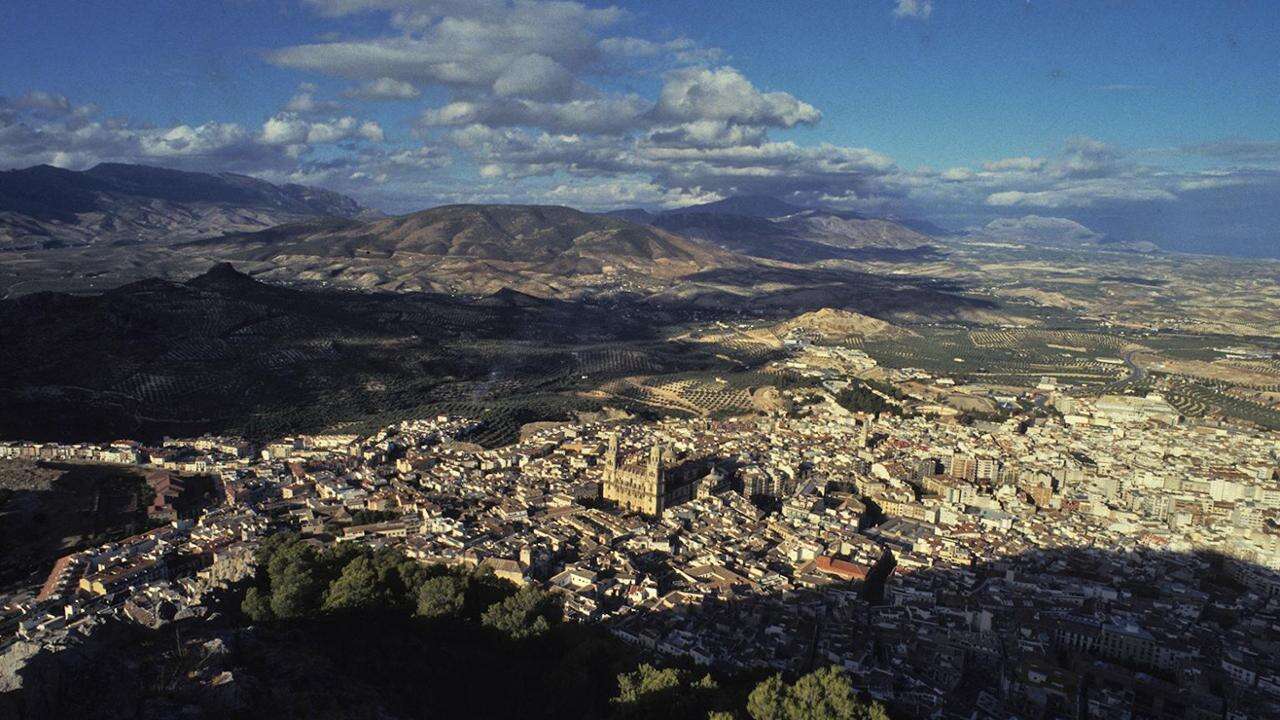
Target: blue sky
(1137, 120)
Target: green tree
(528, 613)
(271, 544)
(875, 711)
(444, 596)
(257, 606)
(766, 701)
(297, 581)
(824, 694)
(412, 575)
(646, 681)
(666, 693)
(484, 590)
(358, 588)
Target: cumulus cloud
(522, 100)
(42, 127)
(290, 129)
(384, 88)
(918, 9)
(598, 115)
(534, 76)
(1085, 158)
(207, 140)
(305, 101)
(693, 94)
(706, 133)
(518, 49)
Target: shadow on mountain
(1065, 633)
(227, 354)
(802, 236)
(803, 290)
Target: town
(1105, 557)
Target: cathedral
(648, 484)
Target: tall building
(647, 482)
(987, 469)
(963, 466)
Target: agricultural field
(1198, 398)
(1015, 357)
(1191, 370)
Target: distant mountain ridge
(115, 202)
(543, 250)
(766, 227)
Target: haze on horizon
(1138, 122)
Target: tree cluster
(298, 580)
(826, 694)
(465, 626)
(862, 396)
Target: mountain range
(474, 249)
(46, 206)
(766, 227)
(114, 223)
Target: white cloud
(723, 93)
(534, 76)
(1087, 157)
(384, 88)
(706, 133)
(1214, 181)
(291, 129)
(371, 131)
(522, 48)
(1021, 164)
(598, 115)
(43, 127)
(209, 139)
(1081, 194)
(305, 101)
(918, 9)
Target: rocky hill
(476, 249)
(45, 206)
(833, 324)
(766, 227)
(850, 231)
